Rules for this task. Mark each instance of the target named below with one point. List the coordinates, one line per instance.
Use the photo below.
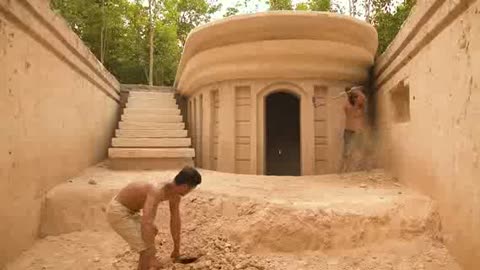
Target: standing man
(355, 110)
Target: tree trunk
(102, 34)
(353, 7)
(368, 10)
(150, 71)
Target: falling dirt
(363, 221)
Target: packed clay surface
(353, 221)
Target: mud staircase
(151, 133)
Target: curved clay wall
(230, 66)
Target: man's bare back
(134, 195)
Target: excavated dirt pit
(350, 222)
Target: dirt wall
(429, 106)
(58, 110)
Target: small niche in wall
(400, 100)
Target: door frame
(297, 99)
(306, 130)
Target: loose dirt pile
(104, 250)
(360, 221)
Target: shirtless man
(355, 124)
(140, 231)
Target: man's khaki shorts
(127, 224)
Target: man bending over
(139, 231)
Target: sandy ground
(351, 222)
(105, 250)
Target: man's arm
(346, 106)
(149, 212)
(175, 225)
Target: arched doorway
(282, 134)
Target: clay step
(151, 152)
(162, 164)
(152, 101)
(145, 93)
(151, 94)
(151, 111)
(147, 99)
(168, 105)
(150, 133)
(151, 142)
(152, 97)
(151, 125)
(153, 118)
(136, 88)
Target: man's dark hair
(188, 175)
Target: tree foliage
(280, 4)
(244, 7)
(190, 14)
(118, 30)
(314, 5)
(387, 16)
(231, 11)
(319, 5)
(388, 21)
(302, 7)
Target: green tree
(98, 23)
(387, 16)
(167, 54)
(352, 7)
(101, 24)
(152, 21)
(118, 32)
(231, 11)
(189, 14)
(336, 7)
(131, 55)
(243, 6)
(302, 7)
(315, 5)
(280, 4)
(388, 21)
(319, 5)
